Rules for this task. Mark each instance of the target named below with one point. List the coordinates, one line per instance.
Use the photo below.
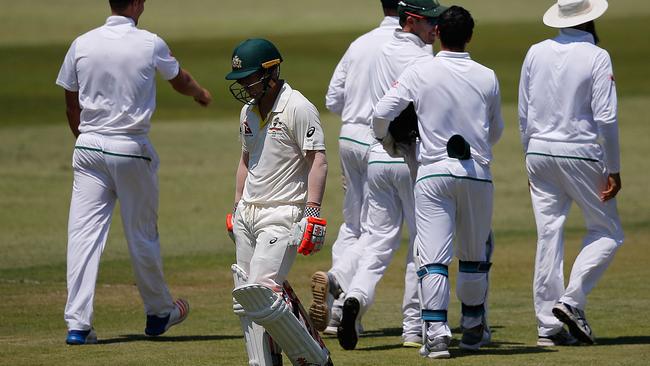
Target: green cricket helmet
(251, 56)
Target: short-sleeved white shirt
(113, 68)
(277, 168)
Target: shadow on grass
(142, 338)
(622, 340)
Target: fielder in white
(348, 97)
(390, 187)
(109, 79)
(458, 106)
(569, 130)
(279, 190)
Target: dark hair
(590, 27)
(119, 5)
(389, 4)
(456, 27)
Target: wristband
(311, 211)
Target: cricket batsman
(279, 189)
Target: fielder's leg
(271, 310)
(261, 349)
(89, 221)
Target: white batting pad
(270, 310)
(261, 349)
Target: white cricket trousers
(108, 168)
(453, 202)
(347, 249)
(264, 248)
(555, 182)
(390, 202)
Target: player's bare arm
(185, 84)
(73, 111)
(242, 172)
(317, 161)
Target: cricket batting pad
(260, 347)
(271, 311)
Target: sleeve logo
(310, 131)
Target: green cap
(424, 8)
(251, 56)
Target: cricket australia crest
(236, 62)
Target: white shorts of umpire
(270, 310)
(261, 349)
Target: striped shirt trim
(564, 157)
(112, 153)
(385, 162)
(453, 176)
(353, 140)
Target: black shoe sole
(347, 331)
(574, 329)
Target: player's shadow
(125, 338)
(615, 341)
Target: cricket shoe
(79, 337)
(412, 341)
(561, 338)
(475, 337)
(347, 332)
(318, 310)
(436, 348)
(575, 319)
(158, 325)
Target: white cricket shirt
(277, 169)
(113, 68)
(402, 50)
(452, 95)
(567, 94)
(347, 94)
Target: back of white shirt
(567, 92)
(113, 68)
(347, 94)
(452, 95)
(402, 50)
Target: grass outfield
(199, 152)
(34, 195)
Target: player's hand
(309, 234)
(204, 98)
(613, 186)
(388, 142)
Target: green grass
(199, 152)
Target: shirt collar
(401, 35)
(576, 35)
(389, 22)
(451, 54)
(114, 20)
(283, 98)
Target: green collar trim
(564, 157)
(353, 140)
(454, 176)
(112, 153)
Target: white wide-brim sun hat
(569, 13)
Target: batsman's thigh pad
(271, 311)
(260, 347)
